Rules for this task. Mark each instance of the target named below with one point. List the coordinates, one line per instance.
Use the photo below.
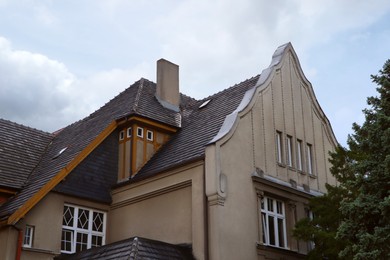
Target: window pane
(83, 219)
(81, 242)
(279, 206)
(96, 241)
(309, 159)
(299, 155)
(28, 233)
(66, 240)
(264, 228)
(279, 151)
(97, 222)
(281, 232)
(289, 151)
(68, 216)
(270, 205)
(271, 230)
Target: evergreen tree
(322, 228)
(364, 171)
(353, 219)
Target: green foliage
(354, 217)
(365, 211)
(322, 228)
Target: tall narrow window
(289, 160)
(273, 222)
(28, 236)
(299, 155)
(140, 132)
(149, 135)
(129, 132)
(309, 159)
(82, 229)
(279, 147)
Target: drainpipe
(19, 243)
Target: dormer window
(121, 135)
(149, 135)
(138, 141)
(129, 132)
(140, 132)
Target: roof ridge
(134, 249)
(137, 97)
(228, 89)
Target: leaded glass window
(82, 228)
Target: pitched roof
(198, 124)
(21, 148)
(138, 100)
(134, 248)
(198, 130)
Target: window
(140, 132)
(149, 135)
(129, 132)
(309, 159)
(289, 159)
(299, 155)
(28, 236)
(121, 135)
(82, 229)
(279, 146)
(310, 215)
(273, 222)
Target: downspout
(19, 245)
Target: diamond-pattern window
(97, 224)
(82, 228)
(83, 219)
(68, 216)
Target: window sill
(312, 176)
(285, 251)
(38, 250)
(281, 164)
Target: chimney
(167, 91)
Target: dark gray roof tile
(132, 249)
(21, 148)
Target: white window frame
(129, 133)
(75, 230)
(28, 236)
(121, 135)
(273, 209)
(299, 155)
(279, 147)
(289, 158)
(309, 214)
(149, 132)
(309, 158)
(140, 132)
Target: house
(227, 176)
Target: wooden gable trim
(148, 122)
(8, 191)
(25, 208)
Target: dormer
(139, 139)
(141, 134)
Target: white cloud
(221, 42)
(43, 93)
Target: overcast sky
(62, 60)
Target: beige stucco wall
(286, 104)
(8, 242)
(169, 207)
(46, 217)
